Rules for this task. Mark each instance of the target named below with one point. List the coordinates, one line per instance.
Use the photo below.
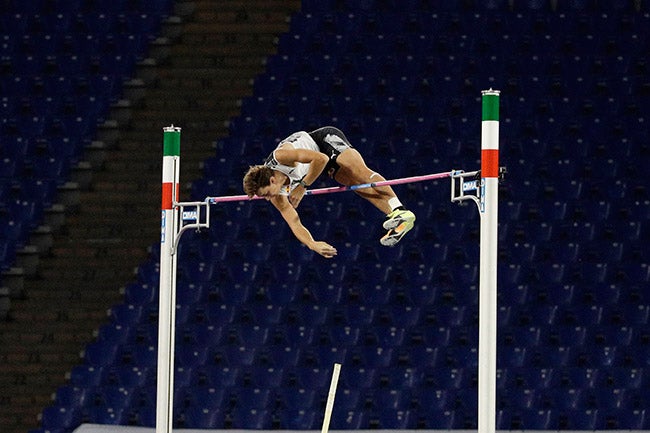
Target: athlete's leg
(354, 171)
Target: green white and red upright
(489, 212)
(167, 289)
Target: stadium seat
(105, 415)
(217, 376)
(313, 378)
(71, 396)
(512, 356)
(299, 419)
(298, 398)
(308, 315)
(100, 353)
(344, 335)
(200, 417)
(582, 419)
(625, 378)
(54, 417)
(581, 378)
(442, 419)
(359, 377)
(553, 356)
(395, 419)
(86, 375)
(568, 335)
(542, 419)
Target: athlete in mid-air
(297, 162)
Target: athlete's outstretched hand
(324, 249)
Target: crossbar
(333, 189)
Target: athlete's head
(257, 181)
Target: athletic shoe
(397, 217)
(396, 234)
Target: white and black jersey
(328, 140)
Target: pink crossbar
(333, 189)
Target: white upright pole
(167, 292)
(489, 202)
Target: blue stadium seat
(279, 356)
(373, 357)
(217, 376)
(584, 314)
(314, 377)
(252, 398)
(512, 356)
(200, 417)
(248, 334)
(554, 356)
(308, 315)
(105, 415)
(388, 399)
(129, 377)
(539, 419)
(71, 396)
(54, 417)
(360, 377)
(611, 335)
(205, 397)
(347, 336)
(263, 314)
(298, 398)
(443, 419)
(567, 399)
(100, 353)
(86, 375)
(353, 315)
(401, 419)
(582, 378)
(190, 355)
(435, 399)
(234, 355)
(627, 314)
(567, 335)
(216, 314)
(138, 355)
(624, 418)
(625, 378)
(603, 356)
(299, 419)
(582, 419)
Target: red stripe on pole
(490, 163)
(167, 195)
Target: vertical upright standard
(167, 290)
(488, 209)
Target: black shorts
(331, 141)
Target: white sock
(394, 203)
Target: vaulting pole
(488, 207)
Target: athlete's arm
(317, 161)
(292, 219)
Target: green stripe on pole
(490, 104)
(172, 141)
